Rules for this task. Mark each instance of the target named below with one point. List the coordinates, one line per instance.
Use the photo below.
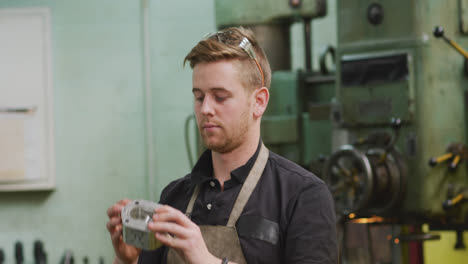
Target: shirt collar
(203, 169)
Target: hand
(125, 253)
(185, 236)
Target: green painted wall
(176, 26)
(100, 118)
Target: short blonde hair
(225, 45)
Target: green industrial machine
(400, 102)
(300, 100)
(391, 121)
(401, 110)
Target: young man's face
(223, 106)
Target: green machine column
(286, 126)
(391, 66)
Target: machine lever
(434, 161)
(456, 160)
(396, 125)
(449, 203)
(439, 33)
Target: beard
(227, 139)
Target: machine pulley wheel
(349, 176)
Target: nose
(207, 107)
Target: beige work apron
(223, 241)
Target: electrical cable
(187, 139)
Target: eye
(199, 98)
(220, 99)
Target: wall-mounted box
(26, 102)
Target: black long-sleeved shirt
(289, 217)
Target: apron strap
(249, 185)
(189, 211)
(244, 194)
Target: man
(241, 203)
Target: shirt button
(208, 206)
(212, 183)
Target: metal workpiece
(135, 218)
(248, 12)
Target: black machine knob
(450, 203)
(2, 256)
(375, 14)
(396, 123)
(436, 160)
(438, 32)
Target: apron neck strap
(195, 193)
(245, 192)
(249, 185)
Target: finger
(113, 222)
(168, 240)
(117, 207)
(116, 235)
(170, 214)
(171, 228)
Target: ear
(262, 96)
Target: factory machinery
(384, 125)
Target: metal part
(417, 237)
(275, 41)
(324, 68)
(348, 174)
(308, 43)
(135, 218)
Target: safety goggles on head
(223, 37)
